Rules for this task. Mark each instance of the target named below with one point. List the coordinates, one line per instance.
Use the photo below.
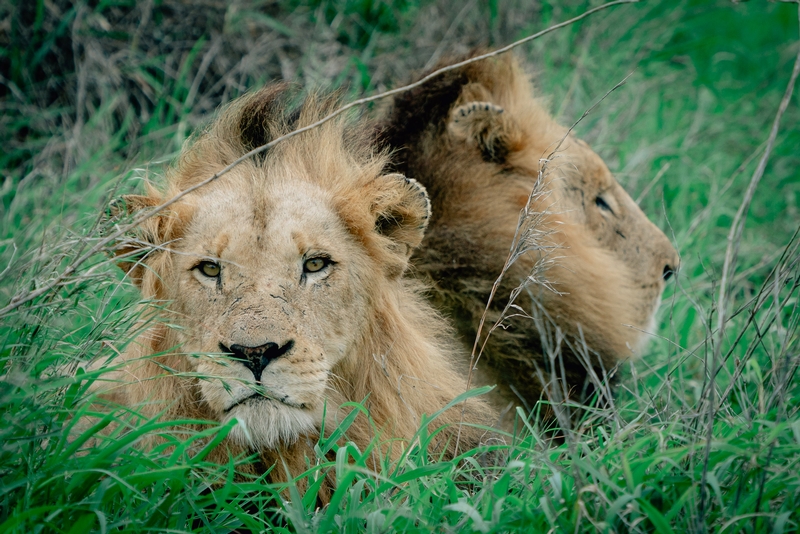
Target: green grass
(682, 450)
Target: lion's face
(268, 299)
(622, 261)
(283, 283)
(270, 276)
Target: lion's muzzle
(257, 358)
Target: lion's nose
(258, 358)
(671, 263)
(670, 268)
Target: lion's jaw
(261, 296)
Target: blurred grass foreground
(97, 95)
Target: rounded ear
(134, 246)
(402, 211)
(486, 126)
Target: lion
(477, 138)
(282, 291)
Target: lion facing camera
(283, 290)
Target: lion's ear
(402, 211)
(485, 126)
(133, 246)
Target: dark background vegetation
(96, 96)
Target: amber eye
(209, 268)
(313, 265)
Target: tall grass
(703, 434)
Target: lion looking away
(477, 139)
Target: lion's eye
(313, 265)
(602, 204)
(209, 268)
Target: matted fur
(355, 329)
(476, 138)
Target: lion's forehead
(262, 237)
(264, 220)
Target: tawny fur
(476, 138)
(357, 329)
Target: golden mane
(284, 282)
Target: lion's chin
(646, 333)
(266, 423)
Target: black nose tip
(257, 358)
(668, 272)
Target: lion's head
(478, 139)
(283, 283)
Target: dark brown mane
(415, 111)
(258, 115)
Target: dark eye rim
(200, 265)
(601, 203)
(326, 262)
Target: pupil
(602, 204)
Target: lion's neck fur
(408, 352)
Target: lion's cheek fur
(600, 299)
